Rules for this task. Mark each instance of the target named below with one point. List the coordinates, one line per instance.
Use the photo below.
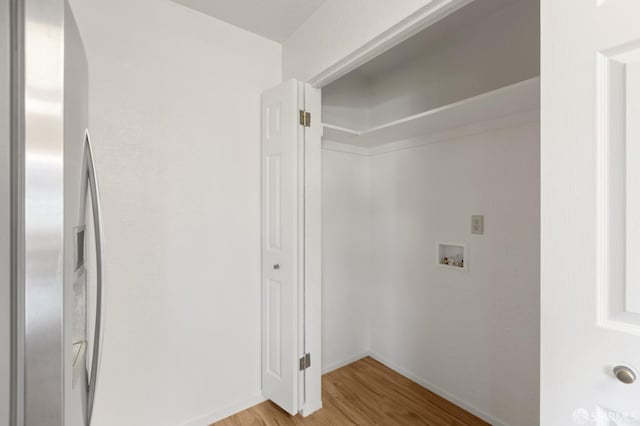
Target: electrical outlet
(477, 225)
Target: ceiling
(273, 19)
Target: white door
(590, 212)
(281, 244)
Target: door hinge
(305, 118)
(305, 362)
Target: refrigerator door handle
(100, 282)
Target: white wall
(346, 102)
(5, 213)
(170, 90)
(473, 336)
(346, 240)
(339, 28)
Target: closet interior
(431, 224)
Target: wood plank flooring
(364, 393)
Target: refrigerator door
(58, 238)
(39, 381)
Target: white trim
(346, 148)
(411, 25)
(345, 362)
(513, 120)
(223, 413)
(301, 219)
(439, 391)
(313, 252)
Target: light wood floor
(364, 393)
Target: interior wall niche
(453, 256)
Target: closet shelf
(516, 98)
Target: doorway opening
(430, 211)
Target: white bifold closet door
(291, 246)
(281, 243)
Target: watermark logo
(581, 416)
(604, 416)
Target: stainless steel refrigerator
(56, 265)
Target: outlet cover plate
(477, 224)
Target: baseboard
(225, 412)
(340, 364)
(439, 391)
(234, 408)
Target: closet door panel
(280, 245)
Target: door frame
(411, 25)
(311, 305)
